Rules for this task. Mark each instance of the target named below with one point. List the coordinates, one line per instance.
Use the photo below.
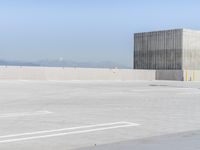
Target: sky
(86, 30)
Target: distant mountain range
(17, 63)
(64, 63)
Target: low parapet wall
(59, 73)
(176, 75)
(191, 75)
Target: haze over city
(86, 31)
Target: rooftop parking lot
(49, 115)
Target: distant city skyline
(86, 30)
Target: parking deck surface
(49, 115)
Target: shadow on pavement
(180, 141)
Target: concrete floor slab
(159, 107)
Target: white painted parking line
(164, 89)
(189, 93)
(72, 128)
(25, 114)
(64, 131)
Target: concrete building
(177, 49)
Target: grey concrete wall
(191, 75)
(158, 50)
(62, 74)
(56, 73)
(191, 49)
(176, 75)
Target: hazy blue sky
(86, 30)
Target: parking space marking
(45, 112)
(64, 131)
(189, 93)
(164, 89)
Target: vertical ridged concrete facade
(177, 49)
(191, 49)
(160, 50)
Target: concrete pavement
(50, 115)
